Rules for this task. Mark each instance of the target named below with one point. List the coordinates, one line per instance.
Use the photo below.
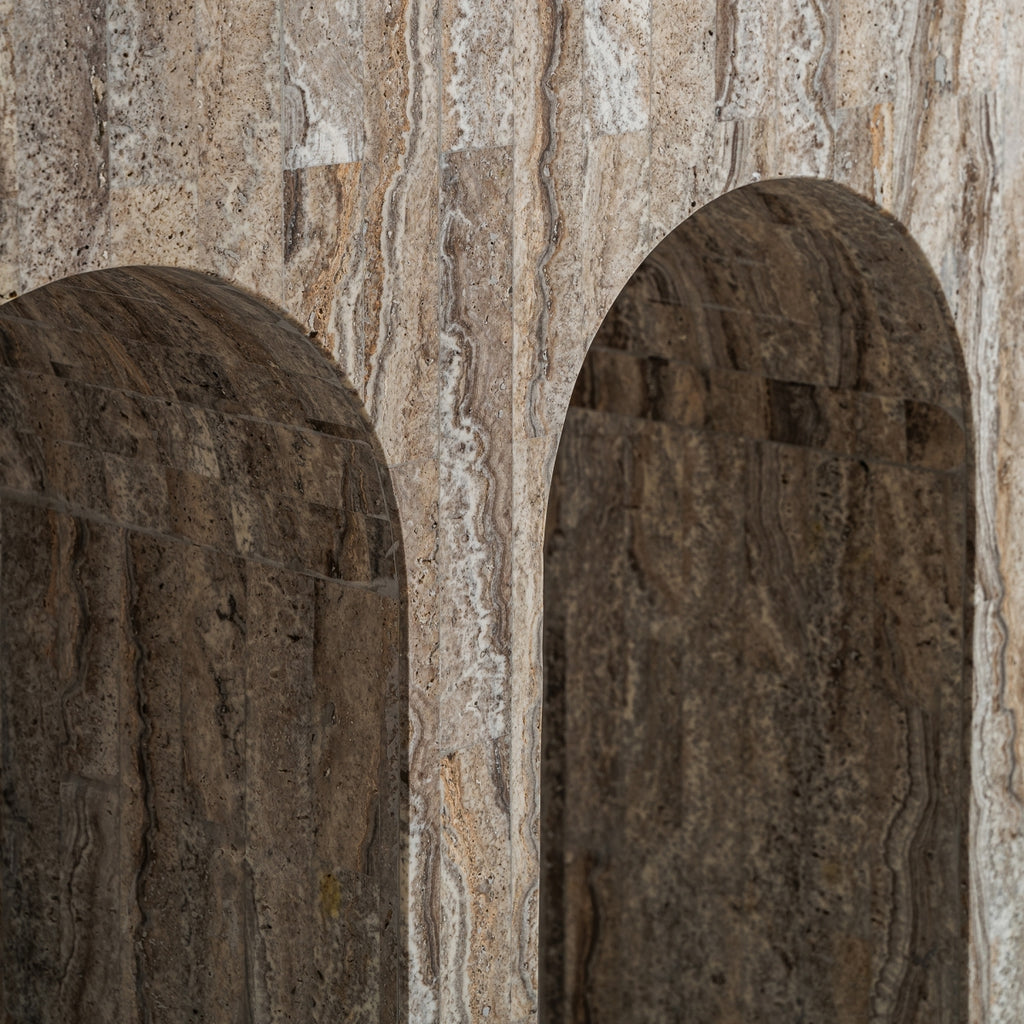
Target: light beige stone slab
(534, 459)
(8, 98)
(475, 447)
(399, 302)
(867, 48)
(864, 153)
(989, 310)
(9, 258)
(745, 152)
(322, 94)
(62, 155)
(550, 164)
(474, 561)
(682, 110)
(615, 219)
(170, 213)
(323, 253)
(239, 182)
(9, 271)
(805, 120)
(478, 74)
(537, 215)
(984, 34)
(935, 222)
(477, 976)
(616, 65)
(746, 65)
(416, 491)
(151, 86)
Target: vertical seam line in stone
(281, 143)
(549, 100)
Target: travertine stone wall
(450, 195)
(754, 779)
(202, 688)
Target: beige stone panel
(322, 94)
(863, 151)
(995, 199)
(536, 209)
(609, 232)
(984, 31)
(918, 56)
(60, 66)
(933, 212)
(169, 213)
(867, 41)
(151, 92)
(400, 203)
(806, 88)
(997, 59)
(615, 237)
(549, 161)
(8, 99)
(474, 563)
(682, 110)
(476, 976)
(239, 183)
(478, 75)
(744, 153)
(745, 59)
(475, 454)
(616, 63)
(323, 256)
(533, 462)
(416, 492)
(9, 257)
(965, 43)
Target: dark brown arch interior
(757, 567)
(202, 690)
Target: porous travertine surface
(449, 196)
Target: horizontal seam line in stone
(36, 500)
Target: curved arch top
(203, 696)
(754, 775)
(798, 249)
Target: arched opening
(202, 690)
(757, 572)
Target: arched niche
(757, 576)
(202, 691)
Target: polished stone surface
(754, 785)
(201, 700)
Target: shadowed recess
(202, 699)
(757, 570)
